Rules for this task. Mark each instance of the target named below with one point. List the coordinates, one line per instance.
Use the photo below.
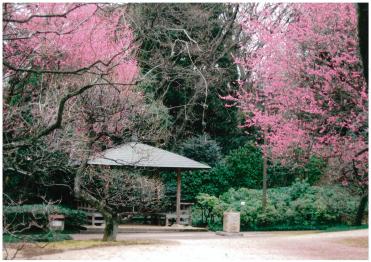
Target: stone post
(231, 222)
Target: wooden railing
(94, 218)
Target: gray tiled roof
(141, 155)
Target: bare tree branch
(64, 15)
(77, 71)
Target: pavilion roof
(141, 155)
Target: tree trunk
(178, 193)
(265, 178)
(363, 36)
(111, 228)
(361, 210)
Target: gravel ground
(209, 246)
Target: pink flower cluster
(306, 89)
(81, 38)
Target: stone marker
(231, 222)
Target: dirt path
(209, 247)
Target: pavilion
(135, 154)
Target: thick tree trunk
(363, 35)
(111, 219)
(361, 210)
(111, 228)
(265, 178)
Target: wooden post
(265, 178)
(179, 184)
(190, 216)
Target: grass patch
(322, 228)
(82, 244)
(344, 228)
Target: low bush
(299, 206)
(28, 218)
(48, 236)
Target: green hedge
(48, 236)
(242, 167)
(300, 206)
(19, 217)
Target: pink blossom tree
(71, 70)
(73, 48)
(306, 89)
